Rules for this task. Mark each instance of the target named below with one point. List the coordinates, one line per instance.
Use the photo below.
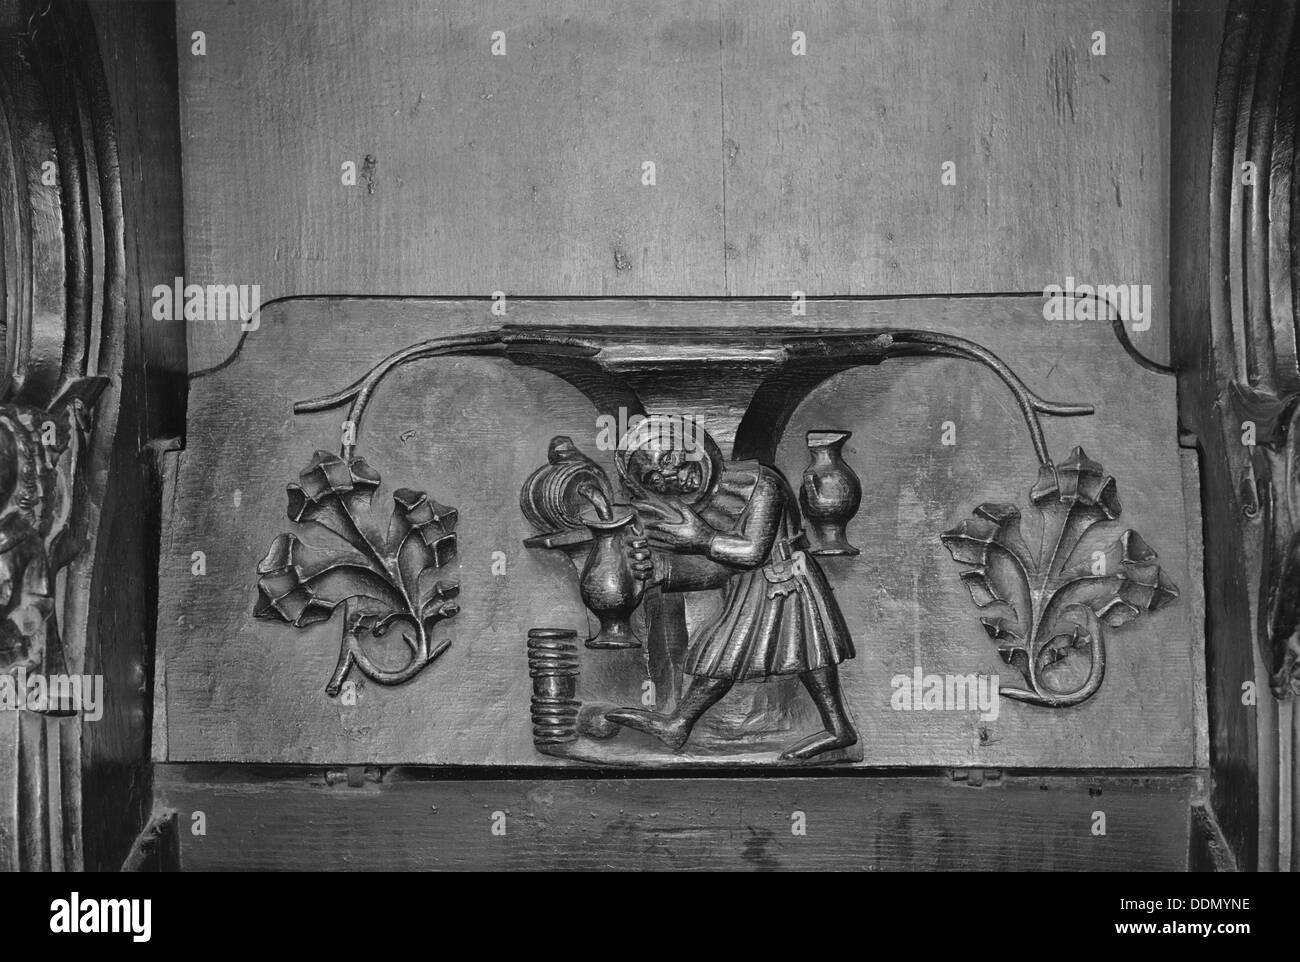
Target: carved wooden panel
(427, 457)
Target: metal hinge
(977, 777)
(354, 776)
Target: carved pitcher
(609, 588)
(831, 492)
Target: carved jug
(830, 493)
(608, 586)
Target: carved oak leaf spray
(379, 583)
(1055, 607)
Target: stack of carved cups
(553, 666)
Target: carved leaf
(302, 593)
(1000, 629)
(1011, 643)
(285, 593)
(1078, 480)
(381, 584)
(974, 543)
(423, 532)
(441, 603)
(1141, 583)
(1072, 497)
(331, 492)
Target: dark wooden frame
(78, 285)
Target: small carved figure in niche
(734, 525)
(40, 453)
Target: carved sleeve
(690, 572)
(759, 527)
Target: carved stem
(1091, 685)
(351, 653)
(1031, 405)
(373, 555)
(360, 391)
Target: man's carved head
(670, 456)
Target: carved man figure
(735, 525)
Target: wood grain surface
(775, 172)
(282, 821)
(233, 688)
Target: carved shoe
(822, 741)
(672, 732)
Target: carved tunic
(780, 616)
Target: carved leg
(824, 687)
(701, 694)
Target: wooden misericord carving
(684, 521)
(61, 266)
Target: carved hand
(675, 526)
(638, 552)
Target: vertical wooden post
(1233, 276)
(63, 282)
